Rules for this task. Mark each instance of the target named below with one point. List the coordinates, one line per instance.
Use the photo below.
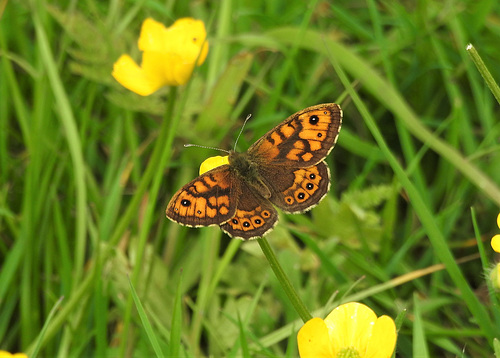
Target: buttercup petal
(169, 55)
(350, 325)
(213, 162)
(181, 72)
(353, 330)
(498, 221)
(161, 69)
(133, 77)
(495, 243)
(186, 37)
(5, 354)
(203, 56)
(152, 37)
(313, 340)
(383, 339)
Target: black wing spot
(185, 202)
(314, 119)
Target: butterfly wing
(298, 189)
(255, 216)
(302, 140)
(205, 201)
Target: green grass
(90, 266)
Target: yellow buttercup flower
(5, 354)
(350, 330)
(495, 241)
(169, 56)
(213, 162)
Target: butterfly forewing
(303, 139)
(207, 200)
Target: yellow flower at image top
(169, 56)
(351, 330)
(5, 354)
(495, 241)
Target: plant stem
(283, 279)
(483, 70)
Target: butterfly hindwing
(254, 217)
(299, 189)
(205, 201)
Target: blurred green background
(85, 176)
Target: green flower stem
(161, 151)
(483, 70)
(283, 279)
(160, 157)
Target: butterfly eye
(185, 202)
(314, 119)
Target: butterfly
(284, 168)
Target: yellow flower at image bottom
(351, 330)
(5, 354)
(169, 56)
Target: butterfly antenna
(241, 130)
(206, 147)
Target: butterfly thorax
(246, 169)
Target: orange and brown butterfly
(284, 168)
